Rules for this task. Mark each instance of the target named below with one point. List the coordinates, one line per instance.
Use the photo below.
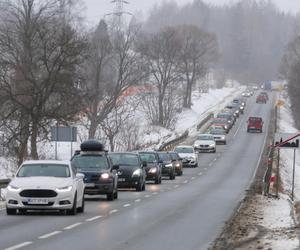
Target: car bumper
(95, 189)
(166, 171)
(205, 149)
(132, 182)
(60, 202)
(152, 176)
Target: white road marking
(147, 196)
(186, 181)
(24, 244)
(137, 200)
(215, 159)
(200, 173)
(157, 193)
(113, 211)
(205, 168)
(176, 186)
(72, 226)
(193, 178)
(127, 205)
(45, 236)
(93, 218)
(210, 164)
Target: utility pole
(118, 13)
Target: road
(187, 213)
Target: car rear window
(125, 159)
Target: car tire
(11, 211)
(22, 211)
(144, 187)
(139, 188)
(157, 179)
(116, 194)
(110, 196)
(180, 173)
(172, 176)
(81, 208)
(196, 165)
(73, 210)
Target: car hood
(127, 170)
(40, 182)
(187, 155)
(204, 142)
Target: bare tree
(40, 54)
(198, 51)
(118, 118)
(114, 67)
(160, 52)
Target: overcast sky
(96, 9)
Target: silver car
(205, 143)
(45, 185)
(188, 155)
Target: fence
(168, 146)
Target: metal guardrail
(3, 184)
(168, 146)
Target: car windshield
(217, 132)
(90, 162)
(205, 137)
(174, 156)
(225, 116)
(44, 169)
(187, 150)
(164, 156)
(125, 159)
(148, 157)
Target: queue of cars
(61, 185)
(220, 126)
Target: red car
(255, 124)
(261, 99)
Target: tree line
(54, 72)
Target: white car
(43, 184)
(205, 143)
(188, 155)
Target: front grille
(95, 178)
(204, 146)
(38, 205)
(38, 193)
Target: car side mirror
(160, 161)
(144, 164)
(115, 167)
(80, 175)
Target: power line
(118, 13)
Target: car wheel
(172, 176)
(160, 180)
(144, 187)
(180, 173)
(116, 194)
(139, 188)
(81, 208)
(11, 211)
(157, 179)
(73, 210)
(110, 196)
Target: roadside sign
(66, 134)
(286, 140)
(279, 103)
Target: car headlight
(177, 165)
(225, 126)
(196, 145)
(64, 189)
(242, 107)
(13, 188)
(104, 176)
(137, 172)
(169, 165)
(152, 170)
(212, 145)
(192, 158)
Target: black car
(154, 168)
(100, 176)
(177, 161)
(168, 168)
(131, 173)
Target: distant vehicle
(240, 103)
(168, 168)
(267, 85)
(265, 94)
(255, 124)
(221, 122)
(219, 135)
(177, 161)
(131, 172)
(205, 143)
(188, 155)
(261, 99)
(100, 175)
(154, 168)
(46, 185)
(229, 116)
(255, 87)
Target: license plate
(37, 201)
(90, 184)
(121, 179)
